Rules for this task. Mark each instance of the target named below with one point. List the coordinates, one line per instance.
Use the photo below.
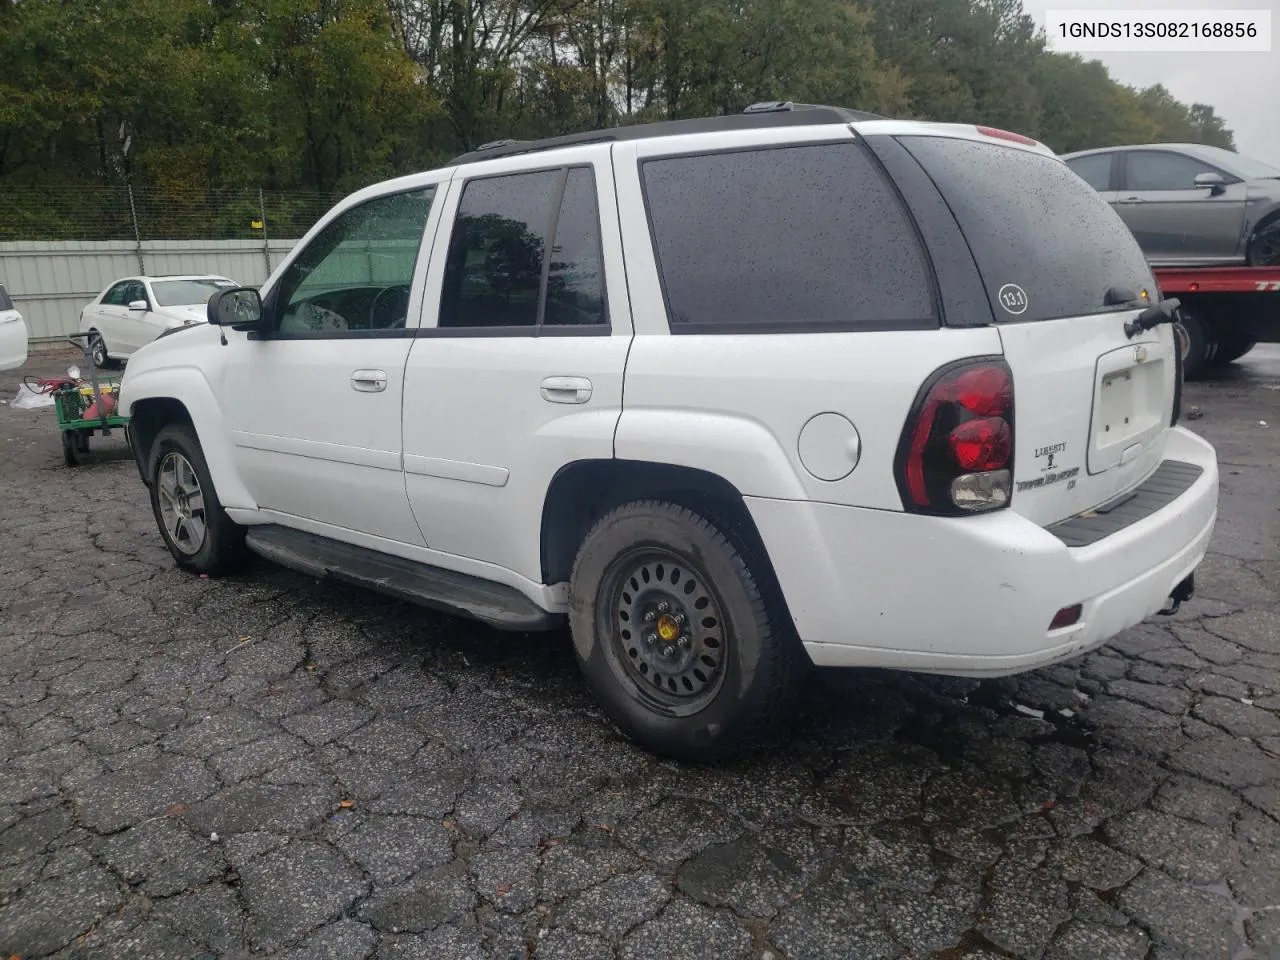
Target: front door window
(355, 276)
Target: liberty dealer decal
(1049, 453)
(1051, 473)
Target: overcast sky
(1244, 88)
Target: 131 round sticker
(1013, 298)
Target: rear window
(5, 302)
(785, 240)
(1047, 245)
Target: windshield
(1244, 167)
(1047, 245)
(182, 293)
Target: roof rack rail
(774, 113)
(770, 106)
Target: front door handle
(566, 389)
(369, 381)
(1133, 200)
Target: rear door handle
(566, 389)
(369, 381)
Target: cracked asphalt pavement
(267, 765)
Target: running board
(499, 606)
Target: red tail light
(956, 451)
(982, 444)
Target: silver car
(1189, 204)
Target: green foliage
(187, 98)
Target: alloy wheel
(181, 503)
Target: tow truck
(1225, 311)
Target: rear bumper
(975, 595)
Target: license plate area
(1128, 404)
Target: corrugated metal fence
(51, 281)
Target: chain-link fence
(141, 213)
(60, 246)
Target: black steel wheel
(665, 628)
(681, 632)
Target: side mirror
(1213, 181)
(138, 305)
(239, 308)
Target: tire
(1197, 357)
(1264, 245)
(199, 535)
(70, 449)
(1233, 346)
(98, 353)
(727, 679)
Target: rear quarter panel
(735, 405)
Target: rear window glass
(5, 302)
(785, 240)
(1047, 245)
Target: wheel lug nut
(684, 643)
(681, 618)
(651, 638)
(668, 651)
(650, 617)
(663, 606)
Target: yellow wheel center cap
(668, 628)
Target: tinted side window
(1094, 170)
(493, 276)
(137, 291)
(575, 273)
(785, 240)
(115, 297)
(355, 274)
(1047, 245)
(5, 302)
(1151, 170)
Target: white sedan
(134, 311)
(13, 334)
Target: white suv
(730, 396)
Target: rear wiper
(1163, 312)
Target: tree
(188, 97)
